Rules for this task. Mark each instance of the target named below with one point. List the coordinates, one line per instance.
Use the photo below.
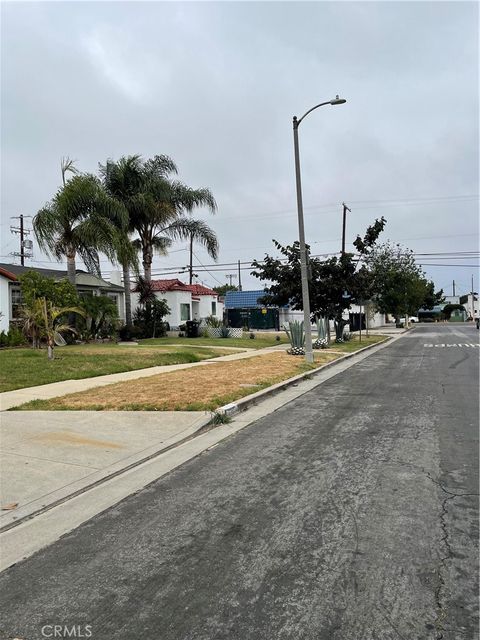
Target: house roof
(200, 290)
(243, 299)
(84, 279)
(177, 285)
(168, 285)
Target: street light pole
(303, 250)
(301, 231)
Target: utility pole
(24, 244)
(230, 276)
(191, 260)
(239, 277)
(345, 209)
(453, 294)
(473, 302)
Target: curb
(236, 407)
(228, 410)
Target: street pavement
(349, 513)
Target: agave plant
(296, 337)
(224, 332)
(322, 339)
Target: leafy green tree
(101, 315)
(158, 206)
(334, 284)
(222, 289)
(449, 308)
(432, 297)
(60, 293)
(149, 314)
(81, 219)
(399, 283)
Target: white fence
(216, 332)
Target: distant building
(243, 308)
(186, 301)
(11, 291)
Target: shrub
(13, 338)
(150, 318)
(127, 333)
(252, 336)
(213, 321)
(224, 332)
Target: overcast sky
(214, 85)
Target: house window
(16, 301)
(184, 312)
(214, 308)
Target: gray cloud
(215, 85)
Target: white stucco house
(186, 301)
(11, 293)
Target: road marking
(443, 345)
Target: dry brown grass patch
(200, 387)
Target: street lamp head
(337, 100)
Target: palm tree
(157, 211)
(81, 219)
(43, 321)
(158, 207)
(122, 180)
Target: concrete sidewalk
(48, 456)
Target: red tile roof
(200, 290)
(178, 285)
(169, 285)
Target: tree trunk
(72, 276)
(339, 323)
(147, 264)
(128, 299)
(71, 270)
(51, 355)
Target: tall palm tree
(81, 219)
(158, 209)
(161, 213)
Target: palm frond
(161, 245)
(67, 165)
(186, 228)
(187, 199)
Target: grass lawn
(259, 342)
(198, 389)
(21, 368)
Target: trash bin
(192, 328)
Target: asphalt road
(349, 514)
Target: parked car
(411, 320)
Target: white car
(411, 320)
